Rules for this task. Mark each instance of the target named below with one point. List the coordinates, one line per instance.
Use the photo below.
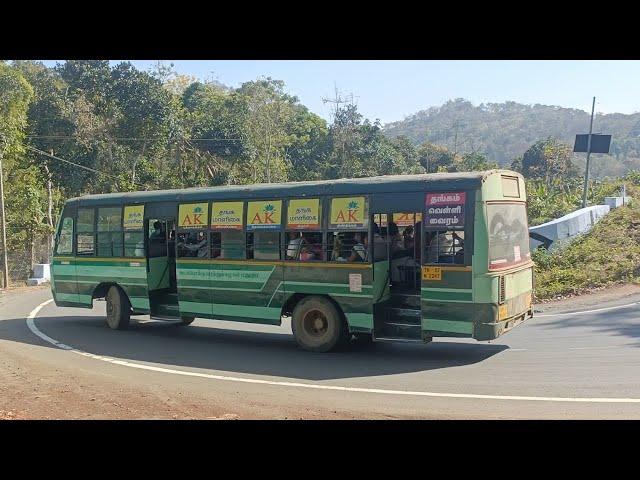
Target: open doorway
(400, 236)
(161, 261)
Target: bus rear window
(508, 235)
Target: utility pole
(586, 171)
(5, 262)
(337, 100)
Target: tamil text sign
(445, 209)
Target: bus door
(160, 256)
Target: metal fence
(21, 260)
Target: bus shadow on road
(245, 352)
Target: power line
(41, 152)
(141, 139)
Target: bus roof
(343, 186)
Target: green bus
(389, 258)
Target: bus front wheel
(118, 309)
(317, 325)
(186, 321)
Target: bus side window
(444, 246)
(192, 244)
(263, 245)
(348, 246)
(65, 239)
(228, 245)
(110, 232)
(304, 246)
(85, 238)
(134, 243)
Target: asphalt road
(560, 364)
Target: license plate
(431, 273)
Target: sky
(390, 90)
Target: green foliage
(15, 95)
(547, 159)
(609, 253)
(474, 161)
(434, 157)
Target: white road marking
(597, 347)
(32, 326)
(586, 311)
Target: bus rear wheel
(317, 325)
(186, 320)
(118, 309)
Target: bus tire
(317, 325)
(186, 321)
(118, 309)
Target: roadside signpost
(591, 143)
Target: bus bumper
(492, 330)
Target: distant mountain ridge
(504, 131)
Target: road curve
(561, 364)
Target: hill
(504, 131)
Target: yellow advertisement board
(133, 217)
(348, 213)
(264, 215)
(193, 215)
(380, 219)
(304, 214)
(227, 215)
(406, 219)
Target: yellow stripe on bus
(279, 263)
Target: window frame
(327, 230)
(280, 230)
(120, 231)
(93, 232)
(468, 229)
(206, 229)
(243, 231)
(72, 216)
(321, 230)
(134, 230)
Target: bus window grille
(501, 293)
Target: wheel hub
(315, 323)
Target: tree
(548, 159)
(268, 111)
(25, 212)
(47, 122)
(434, 158)
(474, 161)
(309, 147)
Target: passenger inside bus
(359, 251)
(379, 244)
(193, 244)
(293, 247)
(157, 231)
(158, 240)
(306, 254)
(395, 240)
(446, 247)
(304, 246)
